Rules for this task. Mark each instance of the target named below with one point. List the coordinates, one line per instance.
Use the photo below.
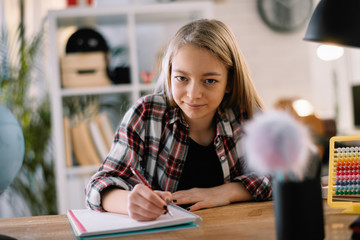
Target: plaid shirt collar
(223, 124)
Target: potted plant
(19, 71)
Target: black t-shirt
(202, 168)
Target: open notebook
(91, 224)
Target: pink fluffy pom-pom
(275, 142)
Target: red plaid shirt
(154, 138)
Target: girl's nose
(194, 90)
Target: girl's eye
(181, 79)
(210, 81)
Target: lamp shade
(335, 22)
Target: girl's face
(198, 83)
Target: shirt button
(222, 158)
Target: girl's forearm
(212, 197)
(236, 192)
(115, 200)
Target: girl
(186, 138)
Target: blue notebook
(89, 224)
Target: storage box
(84, 70)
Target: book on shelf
(68, 142)
(98, 139)
(84, 148)
(106, 128)
(87, 223)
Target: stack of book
(89, 141)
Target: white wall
(284, 65)
(278, 61)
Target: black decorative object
(86, 40)
(120, 75)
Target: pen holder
(298, 209)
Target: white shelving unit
(143, 29)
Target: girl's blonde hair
(216, 37)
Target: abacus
(344, 174)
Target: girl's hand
(211, 197)
(145, 204)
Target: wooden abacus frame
(344, 174)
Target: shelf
(81, 170)
(120, 88)
(172, 16)
(66, 92)
(147, 87)
(85, 15)
(146, 13)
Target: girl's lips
(194, 106)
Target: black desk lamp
(335, 22)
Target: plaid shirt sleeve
(259, 187)
(127, 150)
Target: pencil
(143, 180)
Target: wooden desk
(236, 221)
